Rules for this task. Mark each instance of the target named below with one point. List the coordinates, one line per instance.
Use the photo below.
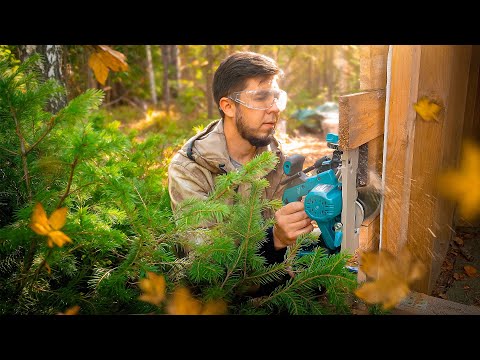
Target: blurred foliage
(313, 74)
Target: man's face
(257, 126)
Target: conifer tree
(116, 204)
(226, 264)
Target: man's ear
(227, 107)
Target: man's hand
(291, 222)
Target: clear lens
(261, 99)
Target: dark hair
(235, 70)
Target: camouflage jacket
(193, 169)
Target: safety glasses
(261, 99)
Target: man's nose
(273, 108)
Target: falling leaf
(470, 271)
(105, 59)
(100, 70)
(50, 227)
(183, 303)
(427, 109)
(467, 196)
(214, 307)
(153, 288)
(71, 311)
(392, 277)
(113, 59)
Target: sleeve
(268, 250)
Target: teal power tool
(323, 192)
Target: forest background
(92, 129)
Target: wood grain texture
(361, 118)
(414, 214)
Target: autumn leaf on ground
(392, 277)
(463, 184)
(50, 227)
(427, 109)
(71, 311)
(153, 288)
(183, 303)
(470, 270)
(105, 59)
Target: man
(249, 99)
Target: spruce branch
(69, 184)
(50, 125)
(23, 153)
(9, 151)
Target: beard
(249, 134)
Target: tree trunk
(51, 68)
(209, 78)
(173, 70)
(329, 71)
(151, 74)
(166, 90)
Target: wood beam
(414, 214)
(361, 118)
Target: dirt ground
(311, 145)
(459, 280)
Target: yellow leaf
(182, 303)
(39, 221)
(392, 276)
(387, 291)
(57, 218)
(113, 59)
(470, 270)
(427, 109)
(153, 288)
(214, 307)
(57, 237)
(50, 226)
(463, 185)
(71, 311)
(99, 68)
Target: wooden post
(373, 76)
(417, 150)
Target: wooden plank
(373, 67)
(375, 157)
(414, 213)
(403, 93)
(373, 75)
(422, 304)
(445, 79)
(369, 234)
(361, 118)
(471, 127)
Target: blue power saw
(323, 194)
